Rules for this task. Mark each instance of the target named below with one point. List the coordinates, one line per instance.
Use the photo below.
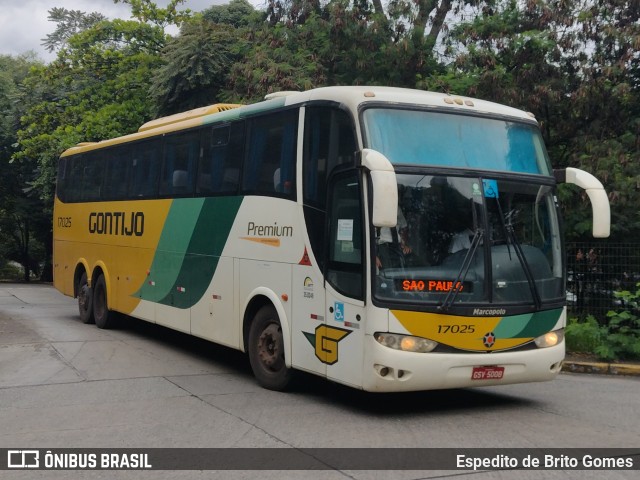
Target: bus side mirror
(597, 195)
(385, 188)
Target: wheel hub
(270, 345)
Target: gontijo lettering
(117, 223)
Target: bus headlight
(550, 339)
(406, 343)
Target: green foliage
(96, 89)
(68, 23)
(618, 340)
(147, 11)
(237, 13)
(584, 337)
(196, 67)
(22, 217)
(623, 339)
(573, 64)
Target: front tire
(85, 299)
(104, 317)
(266, 350)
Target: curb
(601, 368)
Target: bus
(386, 239)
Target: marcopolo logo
(488, 312)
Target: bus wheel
(266, 350)
(104, 317)
(85, 300)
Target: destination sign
(432, 285)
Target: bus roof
(356, 96)
(352, 96)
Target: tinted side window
(116, 176)
(346, 242)
(181, 154)
(329, 142)
(75, 172)
(219, 167)
(271, 154)
(61, 181)
(145, 167)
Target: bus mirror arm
(385, 187)
(597, 195)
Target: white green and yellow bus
(383, 238)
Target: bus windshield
(470, 241)
(420, 137)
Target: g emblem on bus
(325, 340)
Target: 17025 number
(456, 328)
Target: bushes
(619, 340)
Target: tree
(196, 66)
(575, 66)
(19, 212)
(237, 13)
(147, 11)
(68, 23)
(97, 88)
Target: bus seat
(277, 186)
(204, 183)
(230, 179)
(180, 179)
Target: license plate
(487, 373)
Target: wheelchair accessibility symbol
(338, 312)
(490, 188)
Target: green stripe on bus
(528, 325)
(172, 247)
(245, 111)
(210, 235)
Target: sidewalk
(578, 364)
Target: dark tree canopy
(574, 64)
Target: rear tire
(104, 317)
(85, 299)
(266, 350)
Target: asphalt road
(64, 384)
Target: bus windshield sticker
(490, 188)
(345, 229)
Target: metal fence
(595, 272)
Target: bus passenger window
(93, 176)
(178, 170)
(270, 162)
(116, 178)
(145, 166)
(219, 166)
(61, 181)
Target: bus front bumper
(388, 370)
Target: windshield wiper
(456, 287)
(512, 239)
(525, 265)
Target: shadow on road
(323, 391)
